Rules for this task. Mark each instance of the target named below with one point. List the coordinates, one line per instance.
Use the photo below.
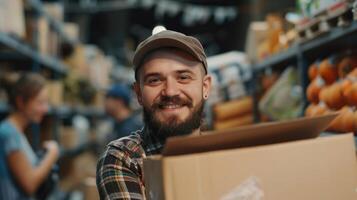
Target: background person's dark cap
(119, 91)
(173, 39)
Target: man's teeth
(171, 106)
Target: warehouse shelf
(93, 8)
(47, 61)
(67, 111)
(37, 5)
(64, 111)
(278, 59)
(336, 38)
(330, 37)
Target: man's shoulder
(130, 146)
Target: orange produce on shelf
(336, 123)
(351, 94)
(355, 122)
(347, 121)
(353, 73)
(313, 71)
(310, 109)
(319, 109)
(328, 71)
(313, 90)
(333, 96)
(346, 87)
(346, 65)
(336, 97)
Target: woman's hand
(52, 148)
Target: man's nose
(171, 87)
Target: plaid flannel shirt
(120, 169)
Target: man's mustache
(171, 100)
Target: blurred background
(270, 61)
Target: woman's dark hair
(26, 86)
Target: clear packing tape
(249, 189)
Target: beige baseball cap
(173, 39)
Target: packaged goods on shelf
(256, 35)
(71, 30)
(230, 74)
(99, 100)
(53, 43)
(55, 93)
(311, 8)
(43, 35)
(77, 60)
(272, 43)
(99, 67)
(12, 20)
(322, 16)
(230, 70)
(55, 10)
(68, 137)
(231, 109)
(236, 121)
(233, 113)
(284, 99)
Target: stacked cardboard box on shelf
(71, 30)
(12, 19)
(55, 10)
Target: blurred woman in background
(21, 171)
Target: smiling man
(171, 85)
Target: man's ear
(137, 90)
(207, 82)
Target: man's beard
(173, 126)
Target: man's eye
(153, 80)
(184, 77)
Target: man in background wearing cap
(171, 85)
(117, 105)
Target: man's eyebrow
(184, 71)
(151, 74)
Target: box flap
(261, 134)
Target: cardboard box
(323, 168)
(12, 20)
(55, 91)
(90, 189)
(71, 30)
(43, 35)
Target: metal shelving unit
(57, 26)
(278, 59)
(25, 50)
(302, 54)
(65, 111)
(68, 111)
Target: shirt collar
(152, 144)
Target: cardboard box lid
(261, 134)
